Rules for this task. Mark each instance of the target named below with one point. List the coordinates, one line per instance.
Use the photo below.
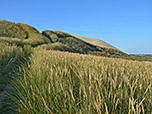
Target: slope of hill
(94, 41)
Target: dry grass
(59, 82)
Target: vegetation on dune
(8, 56)
(11, 57)
(21, 43)
(142, 57)
(109, 52)
(56, 46)
(9, 29)
(60, 82)
(51, 35)
(79, 46)
(62, 34)
(31, 31)
(54, 35)
(23, 34)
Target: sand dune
(94, 41)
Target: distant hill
(80, 44)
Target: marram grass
(10, 58)
(64, 83)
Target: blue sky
(126, 24)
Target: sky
(125, 24)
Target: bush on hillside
(9, 29)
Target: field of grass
(65, 83)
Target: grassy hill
(20, 34)
(83, 45)
(12, 30)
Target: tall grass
(65, 83)
(10, 58)
(15, 41)
(9, 54)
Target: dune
(94, 41)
